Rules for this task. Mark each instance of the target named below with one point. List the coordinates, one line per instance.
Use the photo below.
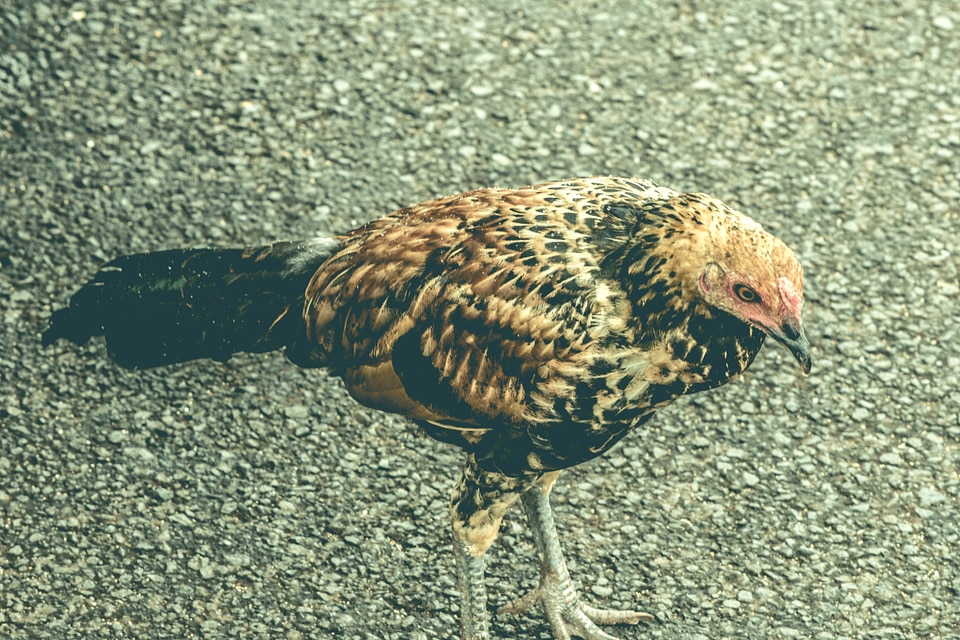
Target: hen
(534, 328)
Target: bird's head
(755, 277)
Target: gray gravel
(255, 500)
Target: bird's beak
(792, 336)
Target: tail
(173, 306)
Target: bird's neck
(725, 347)
(671, 355)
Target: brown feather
(555, 309)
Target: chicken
(533, 328)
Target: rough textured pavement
(255, 500)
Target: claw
(567, 615)
(556, 593)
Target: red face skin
(774, 308)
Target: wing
(488, 317)
(456, 310)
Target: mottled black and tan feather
(533, 326)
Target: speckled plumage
(531, 314)
(532, 327)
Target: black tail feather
(173, 306)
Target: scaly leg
(477, 506)
(556, 592)
(473, 593)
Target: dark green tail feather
(173, 306)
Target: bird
(532, 327)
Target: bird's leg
(556, 592)
(473, 593)
(478, 503)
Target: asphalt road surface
(255, 500)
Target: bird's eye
(745, 293)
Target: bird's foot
(567, 615)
